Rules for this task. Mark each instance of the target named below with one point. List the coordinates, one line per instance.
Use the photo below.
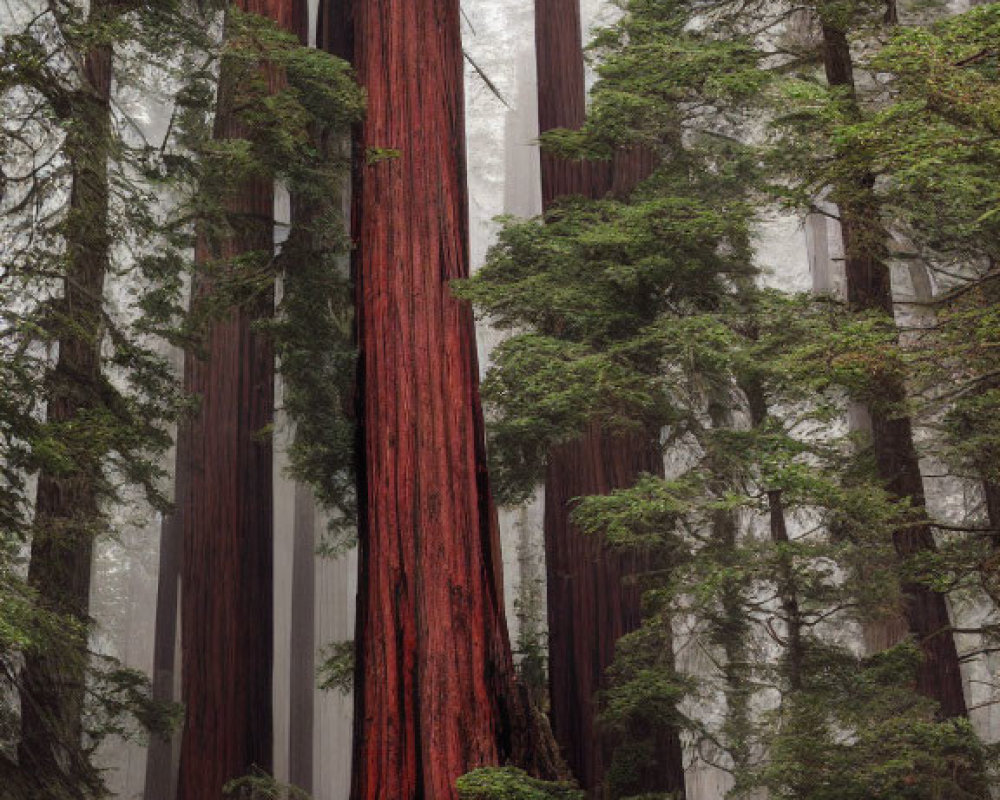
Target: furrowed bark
(227, 561)
(67, 512)
(227, 507)
(435, 693)
(869, 288)
(591, 604)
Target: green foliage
(121, 704)
(659, 70)
(605, 295)
(293, 106)
(260, 786)
(294, 130)
(81, 206)
(857, 731)
(336, 672)
(640, 314)
(510, 783)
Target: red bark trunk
(435, 694)
(590, 604)
(869, 287)
(227, 562)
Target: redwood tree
(435, 692)
(590, 602)
(227, 501)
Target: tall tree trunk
(869, 288)
(227, 508)
(991, 496)
(731, 624)
(435, 692)
(590, 604)
(67, 513)
(302, 642)
(161, 777)
(787, 582)
(302, 636)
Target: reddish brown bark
(591, 604)
(869, 287)
(227, 562)
(335, 28)
(226, 603)
(435, 694)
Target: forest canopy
(734, 442)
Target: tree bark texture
(435, 692)
(591, 604)
(335, 28)
(869, 287)
(67, 512)
(227, 507)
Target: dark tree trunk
(161, 777)
(435, 690)
(590, 604)
(302, 642)
(731, 624)
(302, 636)
(335, 28)
(226, 598)
(67, 513)
(227, 510)
(562, 100)
(787, 583)
(991, 496)
(869, 287)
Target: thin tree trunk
(161, 777)
(590, 603)
(787, 584)
(227, 565)
(869, 288)
(67, 513)
(302, 637)
(435, 690)
(991, 495)
(302, 642)
(731, 624)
